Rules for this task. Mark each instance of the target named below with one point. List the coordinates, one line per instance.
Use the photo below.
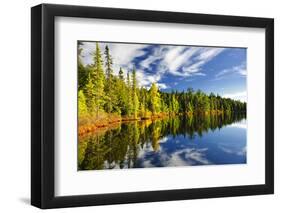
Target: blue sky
(211, 69)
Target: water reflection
(176, 141)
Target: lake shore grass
(88, 123)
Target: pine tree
(121, 92)
(190, 107)
(109, 84)
(121, 74)
(89, 94)
(100, 90)
(154, 99)
(129, 105)
(98, 79)
(134, 94)
(175, 104)
(82, 70)
(82, 106)
(143, 102)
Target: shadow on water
(172, 141)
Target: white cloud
(162, 86)
(180, 61)
(183, 61)
(240, 151)
(148, 61)
(184, 157)
(177, 60)
(208, 53)
(241, 96)
(240, 69)
(173, 58)
(196, 155)
(145, 79)
(243, 72)
(122, 54)
(157, 54)
(239, 125)
(188, 156)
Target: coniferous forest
(105, 98)
(127, 119)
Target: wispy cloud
(180, 61)
(184, 156)
(235, 70)
(185, 61)
(122, 54)
(241, 96)
(162, 86)
(156, 61)
(235, 151)
(239, 125)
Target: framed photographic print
(140, 106)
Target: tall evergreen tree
(135, 94)
(154, 99)
(175, 104)
(129, 104)
(110, 94)
(143, 102)
(89, 94)
(82, 106)
(98, 79)
(121, 74)
(121, 92)
(99, 90)
(82, 70)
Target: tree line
(101, 93)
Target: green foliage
(111, 98)
(119, 147)
(89, 94)
(174, 105)
(129, 104)
(82, 106)
(120, 92)
(190, 107)
(82, 71)
(97, 77)
(155, 101)
(101, 92)
(83, 75)
(135, 95)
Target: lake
(168, 142)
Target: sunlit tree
(154, 99)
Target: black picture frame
(43, 102)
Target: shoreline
(96, 125)
(105, 124)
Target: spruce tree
(121, 74)
(154, 99)
(82, 106)
(129, 105)
(98, 79)
(89, 94)
(135, 94)
(82, 70)
(109, 84)
(121, 92)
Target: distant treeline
(101, 93)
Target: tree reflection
(120, 147)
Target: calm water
(177, 141)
